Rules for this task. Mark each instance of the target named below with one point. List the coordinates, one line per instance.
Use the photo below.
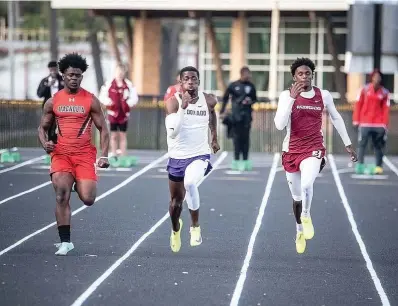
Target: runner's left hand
(215, 146)
(103, 162)
(352, 153)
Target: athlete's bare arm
(46, 120)
(99, 120)
(211, 104)
(211, 101)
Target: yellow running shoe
(308, 228)
(196, 237)
(175, 239)
(300, 242)
(378, 170)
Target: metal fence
(19, 121)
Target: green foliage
(35, 15)
(3, 9)
(76, 20)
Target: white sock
(299, 227)
(306, 213)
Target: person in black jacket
(47, 88)
(51, 83)
(243, 95)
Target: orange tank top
(74, 122)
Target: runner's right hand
(352, 153)
(103, 162)
(49, 146)
(296, 89)
(186, 98)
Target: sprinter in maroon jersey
(300, 112)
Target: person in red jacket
(371, 115)
(118, 96)
(172, 89)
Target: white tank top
(193, 138)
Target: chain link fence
(146, 130)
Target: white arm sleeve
(335, 116)
(133, 96)
(104, 95)
(173, 123)
(285, 104)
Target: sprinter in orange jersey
(73, 157)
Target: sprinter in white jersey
(189, 115)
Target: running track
(248, 257)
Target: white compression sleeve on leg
(309, 168)
(294, 182)
(193, 174)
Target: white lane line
(390, 165)
(28, 162)
(346, 170)
(250, 247)
(354, 227)
(86, 294)
(25, 192)
(105, 194)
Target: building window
(296, 23)
(286, 82)
(258, 43)
(222, 28)
(223, 40)
(388, 82)
(213, 84)
(328, 81)
(259, 23)
(222, 23)
(252, 61)
(340, 41)
(297, 43)
(258, 48)
(260, 80)
(209, 61)
(298, 37)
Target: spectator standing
(371, 116)
(118, 96)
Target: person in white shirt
(189, 116)
(299, 111)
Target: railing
(19, 121)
